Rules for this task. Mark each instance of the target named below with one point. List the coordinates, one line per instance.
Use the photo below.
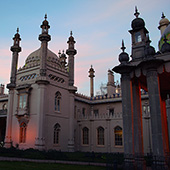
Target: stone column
(108, 136)
(72, 90)
(8, 137)
(127, 112)
(91, 135)
(40, 137)
(164, 126)
(155, 111)
(137, 118)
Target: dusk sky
(98, 27)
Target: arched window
(85, 136)
(118, 136)
(56, 136)
(23, 128)
(57, 101)
(100, 136)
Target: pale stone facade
(45, 112)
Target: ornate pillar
(127, 113)
(42, 82)
(71, 52)
(91, 75)
(72, 91)
(155, 111)
(137, 118)
(11, 86)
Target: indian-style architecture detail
(44, 111)
(147, 70)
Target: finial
(63, 51)
(123, 46)
(163, 16)
(136, 12)
(59, 53)
(71, 33)
(17, 30)
(91, 66)
(45, 16)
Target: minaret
(138, 34)
(63, 59)
(110, 83)
(91, 75)
(163, 23)
(42, 82)
(71, 52)
(11, 86)
(44, 37)
(15, 51)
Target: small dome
(149, 50)
(123, 56)
(163, 21)
(137, 24)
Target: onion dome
(149, 50)
(137, 23)
(166, 46)
(45, 22)
(71, 38)
(35, 57)
(123, 57)
(163, 21)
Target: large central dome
(35, 57)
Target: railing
(100, 116)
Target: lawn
(5, 165)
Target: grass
(5, 165)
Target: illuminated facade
(45, 112)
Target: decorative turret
(138, 34)
(163, 23)
(15, 49)
(44, 37)
(63, 59)
(123, 57)
(91, 75)
(71, 52)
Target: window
(83, 111)
(85, 136)
(22, 101)
(96, 112)
(100, 136)
(23, 128)
(111, 112)
(56, 134)
(57, 101)
(118, 136)
(138, 37)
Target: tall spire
(15, 48)
(44, 37)
(136, 12)
(71, 51)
